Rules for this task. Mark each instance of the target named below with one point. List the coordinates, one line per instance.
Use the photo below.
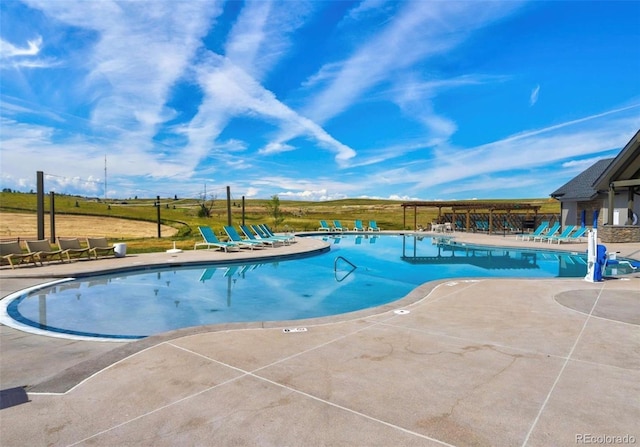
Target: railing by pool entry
(335, 268)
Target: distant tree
(273, 207)
(205, 205)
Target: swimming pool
(358, 272)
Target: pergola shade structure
(495, 210)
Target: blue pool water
(358, 272)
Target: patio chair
(550, 232)
(235, 237)
(373, 226)
(264, 231)
(72, 246)
(211, 240)
(44, 250)
(324, 226)
(337, 226)
(576, 236)
(357, 226)
(567, 230)
(482, 225)
(99, 246)
(538, 231)
(251, 237)
(14, 255)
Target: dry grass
(24, 225)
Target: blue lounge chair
(538, 231)
(324, 226)
(566, 232)
(264, 231)
(482, 225)
(235, 237)
(250, 236)
(211, 240)
(550, 232)
(357, 226)
(373, 226)
(576, 236)
(337, 226)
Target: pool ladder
(335, 268)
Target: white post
(592, 252)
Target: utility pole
(158, 210)
(40, 203)
(105, 177)
(52, 215)
(228, 205)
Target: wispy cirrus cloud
(231, 92)
(583, 138)
(193, 93)
(232, 84)
(533, 98)
(129, 89)
(8, 50)
(412, 35)
(13, 56)
(262, 34)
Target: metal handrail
(335, 268)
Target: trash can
(120, 250)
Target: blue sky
(315, 100)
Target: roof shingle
(582, 187)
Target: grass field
(135, 221)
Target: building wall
(570, 214)
(620, 204)
(620, 232)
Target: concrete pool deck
(533, 362)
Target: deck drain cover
(401, 312)
(295, 329)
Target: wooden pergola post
(490, 219)
(404, 217)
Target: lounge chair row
(39, 251)
(255, 236)
(544, 233)
(357, 226)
